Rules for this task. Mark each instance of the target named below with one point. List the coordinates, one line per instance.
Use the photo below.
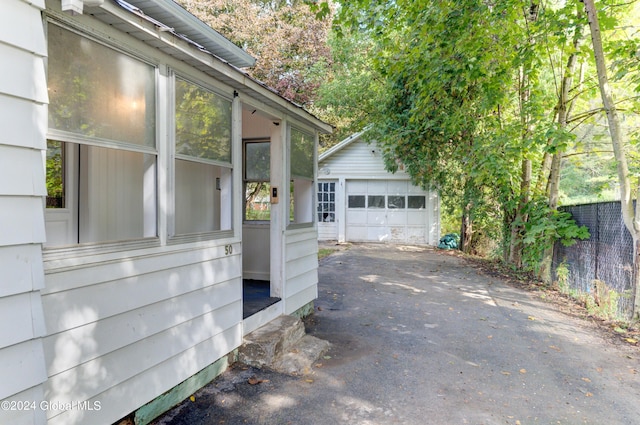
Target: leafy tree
(470, 101)
(288, 41)
(630, 213)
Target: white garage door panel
(404, 225)
(376, 217)
(396, 187)
(396, 217)
(416, 217)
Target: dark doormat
(255, 295)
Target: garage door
(386, 211)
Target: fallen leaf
(310, 381)
(586, 379)
(255, 381)
(631, 340)
(490, 337)
(523, 371)
(504, 372)
(192, 398)
(554, 347)
(531, 318)
(588, 394)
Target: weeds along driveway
(420, 337)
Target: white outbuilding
(359, 201)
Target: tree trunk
(563, 110)
(629, 216)
(517, 228)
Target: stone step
(282, 345)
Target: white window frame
(73, 141)
(226, 180)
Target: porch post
(279, 210)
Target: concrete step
(282, 345)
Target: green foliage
(562, 277)
(544, 227)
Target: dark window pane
(376, 201)
(356, 201)
(417, 202)
(396, 202)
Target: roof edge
(237, 56)
(343, 144)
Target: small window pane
(356, 201)
(376, 201)
(417, 202)
(301, 154)
(98, 92)
(257, 201)
(396, 202)
(203, 123)
(55, 175)
(257, 161)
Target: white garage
(359, 201)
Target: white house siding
(357, 167)
(23, 98)
(122, 332)
(301, 268)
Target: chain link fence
(607, 256)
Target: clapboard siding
(25, 417)
(70, 309)
(111, 317)
(301, 269)
(99, 338)
(22, 269)
(358, 161)
(301, 299)
(23, 97)
(21, 25)
(25, 78)
(12, 160)
(79, 271)
(119, 400)
(22, 219)
(23, 123)
(22, 367)
(96, 376)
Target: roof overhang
(135, 22)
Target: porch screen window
(202, 200)
(101, 159)
(301, 162)
(326, 202)
(257, 172)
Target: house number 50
(228, 249)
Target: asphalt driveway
(419, 336)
